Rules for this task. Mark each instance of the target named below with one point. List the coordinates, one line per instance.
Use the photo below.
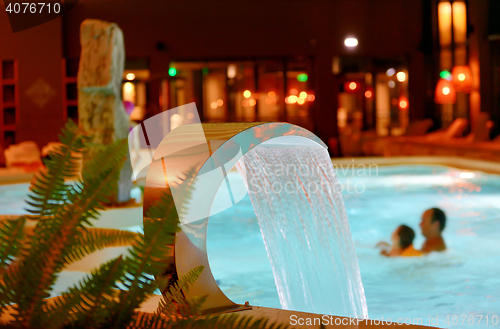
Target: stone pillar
(100, 107)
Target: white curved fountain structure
(295, 195)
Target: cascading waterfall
(298, 202)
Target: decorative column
(100, 108)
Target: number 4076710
(33, 8)
(471, 320)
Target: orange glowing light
(293, 91)
(310, 97)
(301, 101)
(252, 102)
(368, 94)
(462, 78)
(130, 76)
(213, 105)
(271, 94)
(303, 95)
(403, 102)
(353, 85)
(445, 92)
(220, 102)
(292, 99)
(247, 93)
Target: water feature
(302, 218)
(460, 282)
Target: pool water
(462, 281)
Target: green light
(172, 71)
(205, 70)
(302, 77)
(445, 75)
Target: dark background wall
(222, 29)
(38, 52)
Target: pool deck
(292, 319)
(296, 319)
(17, 175)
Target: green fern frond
(145, 320)
(50, 187)
(54, 236)
(184, 192)
(174, 305)
(11, 236)
(147, 259)
(85, 305)
(189, 279)
(92, 239)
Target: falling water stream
(301, 214)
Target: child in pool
(402, 243)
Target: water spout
(296, 197)
(306, 234)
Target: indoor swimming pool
(451, 286)
(460, 282)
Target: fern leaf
(145, 320)
(147, 259)
(50, 187)
(11, 236)
(92, 239)
(54, 236)
(174, 305)
(85, 304)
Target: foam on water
(302, 218)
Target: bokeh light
(351, 42)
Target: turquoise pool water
(456, 286)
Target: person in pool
(432, 226)
(402, 243)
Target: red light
(445, 92)
(403, 103)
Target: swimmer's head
(433, 222)
(403, 236)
